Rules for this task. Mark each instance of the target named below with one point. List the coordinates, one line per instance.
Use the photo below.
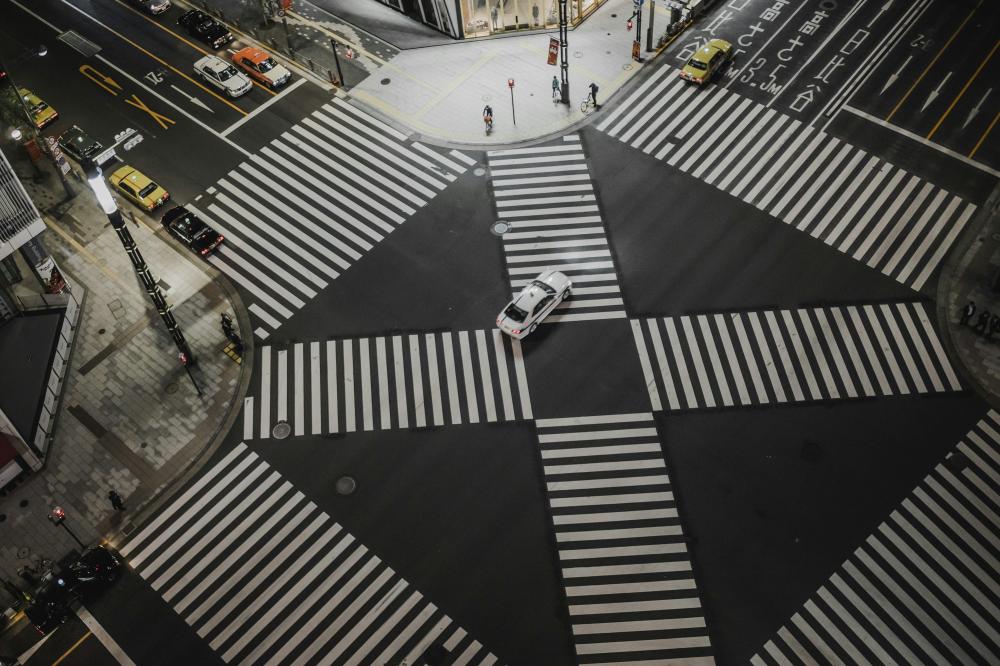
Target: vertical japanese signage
(553, 50)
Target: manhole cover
(22, 552)
(385, 81)
(23, 503)
(101, 331)
(627, 67)
(479, 171)
(171, 388)
(500, 228)
(281, 430)
(346, 485)
(143, 445)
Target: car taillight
(205, 251)
(498, 321)
(516, 331)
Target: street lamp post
(58, 517)
(110, 208)
(563, 52)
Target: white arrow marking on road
(193, 100)
(893, 77)
(881, 11)
(975, 109)
(934, 93)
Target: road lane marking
(118, 69)
(985, 134)
(160, 119)
(263, 106)
(931, 63)
(101, 79)
(109, 643)
(71, 649)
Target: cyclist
(488, 117)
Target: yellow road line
(931, 64)
(983, 137)
(964, 88)
(170, 67)
(75, 646)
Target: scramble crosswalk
(923, 588)
(629, 583)
(396, 381)
(266, 577)
(312, 202)
(779, 356)
(889, 219)
(545, 194)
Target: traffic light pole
(564, 51)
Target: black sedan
(50, 603)
(79, 145)
(190, 230)
(202, 26)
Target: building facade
(480, 18)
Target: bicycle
(587, 105)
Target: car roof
(133, 175)
(174, 213)
(529, 296)
(253, 53)
(215, 62)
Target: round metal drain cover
(385, 81)
(479, 171)
(346, 485)
(171, 388)
(500, 227)
(23, 552)
(281, 430)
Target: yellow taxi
(42, 114)
(138, 188)
(707, 61)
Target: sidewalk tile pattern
(923, 588)
(778, 356)
(398, 381)
(546, 194)
(265, 576)
(629, 584)
(311, 203)
(882, 216)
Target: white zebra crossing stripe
(922, 569)
(555, 225)
(313, 201)
(808, 354)
(353, 598)
(382, 383)
(800, 175)
(609, 489)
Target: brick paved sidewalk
(130, 418)
(970, 273)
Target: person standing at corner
(117, 503)
(967, 312)
(593, 94)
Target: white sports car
(538, 298)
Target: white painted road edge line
(109, 643)
(263, 106)
(30, 652)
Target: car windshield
(266, 65)
(38, 108)
(697, 64)
(515, 313)
(149, 189)
(544, 287)
(227, 73)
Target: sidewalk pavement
(970, 273)
(130, 418)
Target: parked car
(79, 145)
(223, 76)
(707, 61)
(50, 603)
(153, 7)
(92, 571)
(262, 66)
(538, 298)
(205, 28)
(189, 229)
(41, 113)
(138, 188)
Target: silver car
(153, 7)
(538, 298)
(223, 75)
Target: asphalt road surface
(682, 462)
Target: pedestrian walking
(994, 326)
(593, 94)
(556, 95)
(967, 312)
(982, 322)
(117, 503)
(494, 14)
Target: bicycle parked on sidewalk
(587, 105)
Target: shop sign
(553, 50)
